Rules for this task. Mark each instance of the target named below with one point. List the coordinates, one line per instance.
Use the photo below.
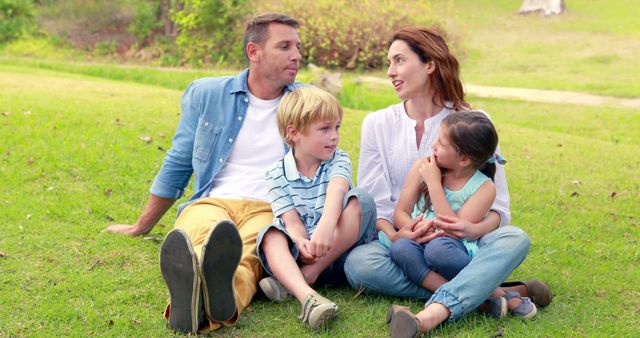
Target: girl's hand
(411, 230)
(429, 170)
(305, 255)
(431, 231)
(453, 226)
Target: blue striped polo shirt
(289, 189)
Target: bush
(15, 18)
(209, 30)
(350, 34)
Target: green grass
(72, 161)
(592, 47)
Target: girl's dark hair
(475, 137)
(473, 134)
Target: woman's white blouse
(388, 150)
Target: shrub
(350, 34)
(209, 30)
(15, 18)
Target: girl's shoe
(498, 307)
(526, 309)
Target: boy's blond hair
(304, 106)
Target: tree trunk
(548, 7)
(170, 28)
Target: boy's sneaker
(317, 310)
(526, 309)
(498, 307)
(221, 254)
(273, 289)
(179, 267)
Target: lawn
(73, 159)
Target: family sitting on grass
(429, 219)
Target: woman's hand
(429, 170)
(453, 226)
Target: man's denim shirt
(213, 110)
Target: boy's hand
(429, 170)
(305, 255)
(321, 241)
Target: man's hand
(127, 229)
(156, 207)
(429, 170)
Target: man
(228, 136)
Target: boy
(319, 217)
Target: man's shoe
(538, 291)
(273, 289)
(221, 253)
(179, 268)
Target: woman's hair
(429, 45)
(304, 106)
(474, 136)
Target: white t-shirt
(257, 147)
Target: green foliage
(210, 30)
(146, 20)
(351, 34)
(15, 18)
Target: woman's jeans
(370, 267)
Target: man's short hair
(257, 30)
(304, 106)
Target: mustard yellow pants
(250, 217)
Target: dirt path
(538, 95)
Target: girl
(456, 181)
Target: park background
(89, 100)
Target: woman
(426, 77)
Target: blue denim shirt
(213, 110)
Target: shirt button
(239, 118)
(230, 140)
(220, 160)
(206, 124)
(246, 100)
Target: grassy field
(592, 47)
(73, 160)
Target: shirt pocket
(207, 134)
